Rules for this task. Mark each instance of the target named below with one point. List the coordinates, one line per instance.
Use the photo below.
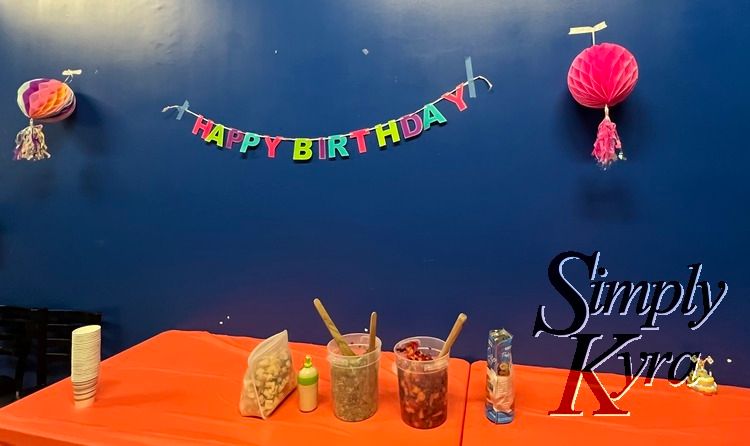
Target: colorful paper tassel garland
(602, 76)
(42, 100)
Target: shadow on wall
(606, 199)
(111, 330)
(86, 128)
(602, 197)
(3, 231)
(40, 184)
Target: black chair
(16, 333)
(53, 340)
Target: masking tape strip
(181, 109)
(588, 29)
(470, 78)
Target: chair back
(54, 339)
(16, 333)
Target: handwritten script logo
(652, 300)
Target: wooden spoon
(343, 346)
(455, 331)
(373, 328)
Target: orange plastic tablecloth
(659, 415)
(183, 388)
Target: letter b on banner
(302, 149)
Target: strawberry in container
(422, 364)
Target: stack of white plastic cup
(84, 366)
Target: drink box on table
(500, 393)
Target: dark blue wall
(135, 217)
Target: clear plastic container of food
(422, 381)
(354, 379)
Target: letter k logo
(578, 371)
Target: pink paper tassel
(607, 147)
(30, 144)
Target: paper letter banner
(389, 131)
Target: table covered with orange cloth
(659, 415)
(183, 388)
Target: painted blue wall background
(135, 217)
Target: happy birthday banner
(330, 147)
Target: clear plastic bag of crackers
(270, 377)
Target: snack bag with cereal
(269, 378)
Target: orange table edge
(183, 387)
(660, 414)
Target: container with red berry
(422, 381)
